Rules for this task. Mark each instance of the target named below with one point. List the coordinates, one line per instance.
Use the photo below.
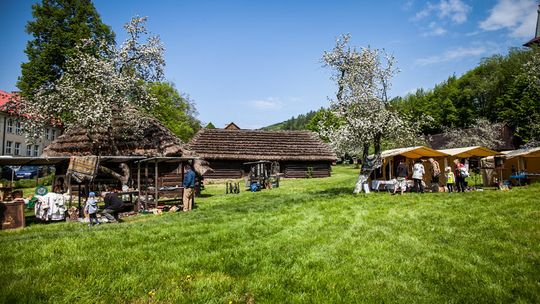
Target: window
(36, 150)
(28, 150)
(17, 148)
(10, 125)
(18, 129)
(9, 144)
(53, 136)
(47, 134)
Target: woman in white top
(418, 174)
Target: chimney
(538, 24)
(536, 39)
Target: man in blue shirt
(189, 185)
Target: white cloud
(434, 30)
(452, 55)
(518, 16)
(456, 10)
(269, 103)
(408, 5)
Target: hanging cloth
(83, 168)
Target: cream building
(13, 141)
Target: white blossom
(94, 91)
(361, 103)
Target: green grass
(309, 241)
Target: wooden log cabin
(300, 154)
(128, 149)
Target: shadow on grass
(335, 191)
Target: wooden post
(146, 185)
(156, 182)
(391, 164)
(138, 185)
(79, 195)
(37, 177)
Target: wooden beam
(138, 186)
(156, 182)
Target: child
(450, 179)
(418, 175)
(91, 208)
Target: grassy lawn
(309, 241)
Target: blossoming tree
(95, 91)
(361, 104)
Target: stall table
(388, 185)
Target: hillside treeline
(499, 89)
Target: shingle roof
(260, 145)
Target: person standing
(401, 175)
(91, 208)
(460, 176)
(450, 179)
(418, 175)
(435, 171)
(189, 186)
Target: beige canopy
(413, 152)
(533, 152)
(466, 152)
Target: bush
(31, 183)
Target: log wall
(302, 169)
(225, 170)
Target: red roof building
(12, 140)
(536, 39)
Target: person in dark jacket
(401, 175)
(113, 204)
(189, 186)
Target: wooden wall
(235, 169)
(302, 169)
(224, 169)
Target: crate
(12, 214)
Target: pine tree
(58, 26)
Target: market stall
(384, 176)
(521, 166)
(471, 158)
(161, 178)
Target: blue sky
(258, 62)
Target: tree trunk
(364, 173)
(368, 165)
(123, 178)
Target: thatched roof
(214, 144)
(156, 140)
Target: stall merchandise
(51, 207)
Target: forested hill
(502, 88)
(299, 122)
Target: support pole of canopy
(146, 185)
(156, 182)
(138, 185)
